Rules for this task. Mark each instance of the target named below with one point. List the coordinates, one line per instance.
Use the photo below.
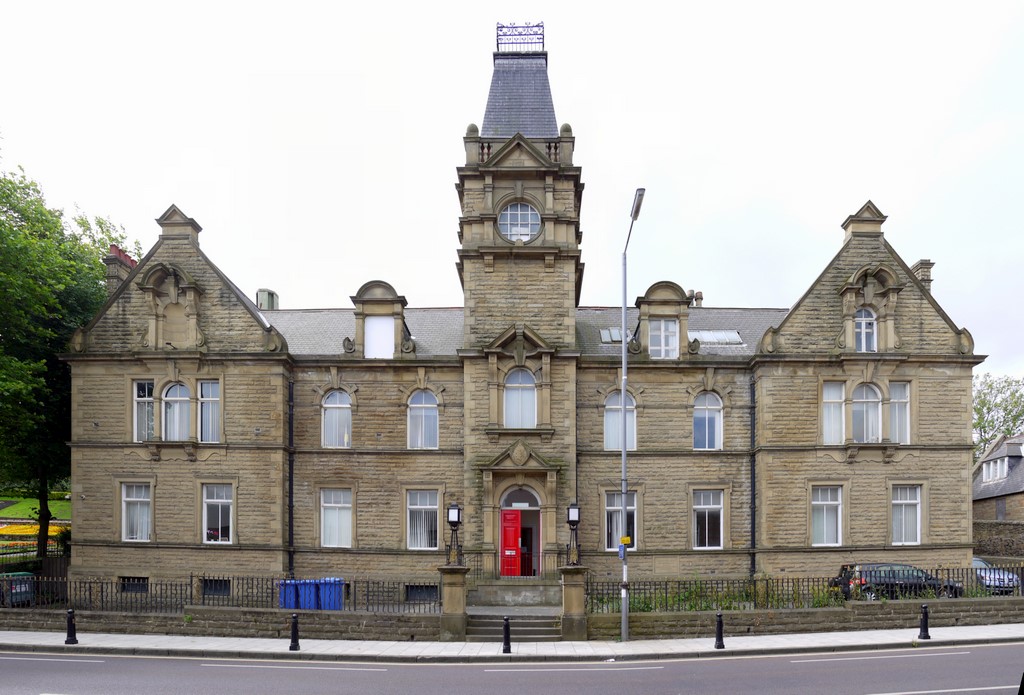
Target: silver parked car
(995, 580)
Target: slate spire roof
(520, 97)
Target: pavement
(469, 652)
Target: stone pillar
(574, 603)
(453, 603)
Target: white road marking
(863, 658)
(41, 658)
(311, 668)
(579, 668)
(950, 690)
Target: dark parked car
(995, 580)
(874, 580)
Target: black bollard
(719, 639)
(924, 623)
(72, 632)
(294, 646)
(506, 637)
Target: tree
(998, 409)
(51, 282)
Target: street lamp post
(572, 517)
(638, 200)
(454, 548)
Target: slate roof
(519, 100)
(749, 323)
(438, 331)
(1013, 483)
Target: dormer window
(865, 331)
(519, 222)
(996, 469)
(380, 337)
(664, 339)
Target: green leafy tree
(52, 280)
(998, 409)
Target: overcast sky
(317, 144)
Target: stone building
(218, 435)
(998, 481)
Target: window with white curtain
(833, 423)
(867, 414)
(520, 399)
(336, 420)
(136, 512)
(176, 413)
(336, 518)
(422, 420)
(209, 411)
(620, 519)
(906, 514)
(899, 412)
(422, 521)
(613, 422)
(826, 515)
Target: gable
(519, 153)
(177, 300)
(867, 272)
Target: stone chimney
(266, 299)
(923, 270)
(119, 266)
(698, 299)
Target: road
(922, 671)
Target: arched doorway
(520, 533)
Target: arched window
(707, 421)
(613, 422)
(519, 222)
(176, 413)
(337, 420)
(423, 420)
(520, 399)
(865, 331)
(867, 414)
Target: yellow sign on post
(625, 540)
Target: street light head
(454, 515)
(638, 200)
(572, 515)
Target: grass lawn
(25, 508)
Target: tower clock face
(519, 222)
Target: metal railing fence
(144, 595)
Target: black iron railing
(143, 595)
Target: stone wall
(999, 538)
(882, 615)
(233, 622)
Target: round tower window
(519, 222)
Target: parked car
(874, 580)
(995, 580)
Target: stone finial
(176, 223)
(865, 222)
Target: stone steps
(522, 628)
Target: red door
(509, 542)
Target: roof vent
(266, 299)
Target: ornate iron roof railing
(520, 38)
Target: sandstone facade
(331, 442)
